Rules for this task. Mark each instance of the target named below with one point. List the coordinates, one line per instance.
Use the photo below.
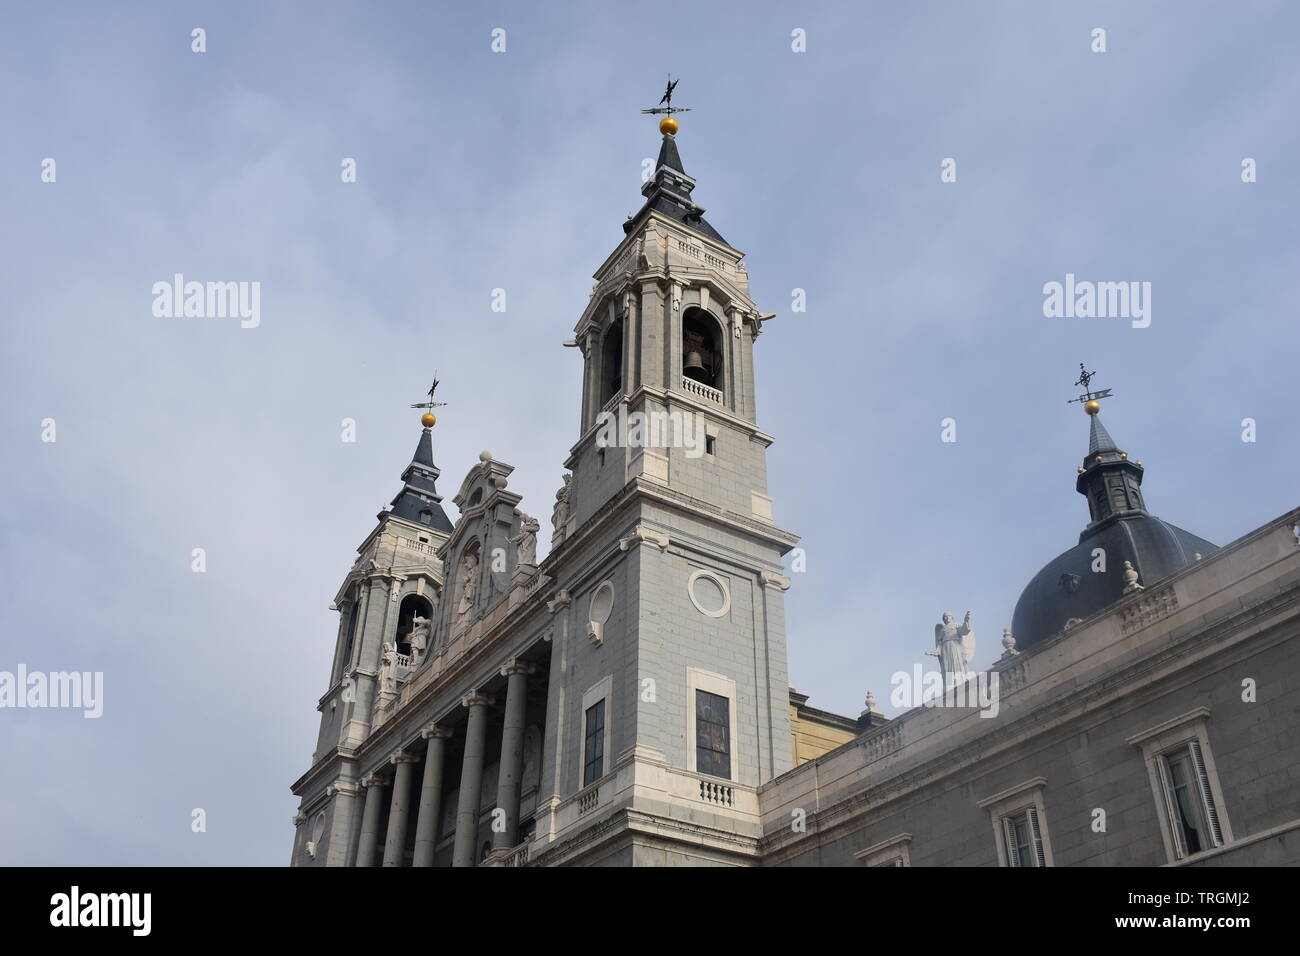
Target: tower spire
(1110, 482)
(419, 501)
(668, 191)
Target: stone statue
(468, 583)
(560, 515)
(387, 670)
(526, 539)
(419, 636)
(954, 646)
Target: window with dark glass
(712, 735)
(593, 767)
(1194, 818)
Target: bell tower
(666, 555)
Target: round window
(709, 593)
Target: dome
(1067, 588)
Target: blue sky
(515, 170)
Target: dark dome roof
(1068, 587)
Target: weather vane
(1089, 397)
(430, 404)
(666, 102)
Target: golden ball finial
(1092, 407)
(668, 126)
(428, 419)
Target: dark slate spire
(669, 189)
(1098, 438)
(668, 155)
(1110, 482)
(419, 501)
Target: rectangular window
(594, 744)
(1193, 817)
(710, 445)
(712, 735)
(1023, 838)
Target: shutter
(1009, 839)
(1207, 800)
(1171, 809)
(1038, 837)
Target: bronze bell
(693, 367)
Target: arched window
(611, 362)
(411, 606)
(702, 348)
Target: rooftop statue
(954, 645)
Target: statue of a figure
(560, 515)
(526, 539)
(419, 636)
(387, 669)
(954, 645)
(468, 583)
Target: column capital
(476, 699)
(374, 780)
(514, 666)
(403, 757)
(345, 787)
(433, 730)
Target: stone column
(395, 844)
(512, 753)
(354, 831)
(374, 785)
(430, 812)
(471, 780)
(345, 794)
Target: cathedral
(625, 700)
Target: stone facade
(625, 700)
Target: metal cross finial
(1085, 379)
(431, 403)
(666, 101)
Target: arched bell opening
(702, 348)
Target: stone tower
(668, 551)
(395, 582)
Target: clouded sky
(479, 170)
